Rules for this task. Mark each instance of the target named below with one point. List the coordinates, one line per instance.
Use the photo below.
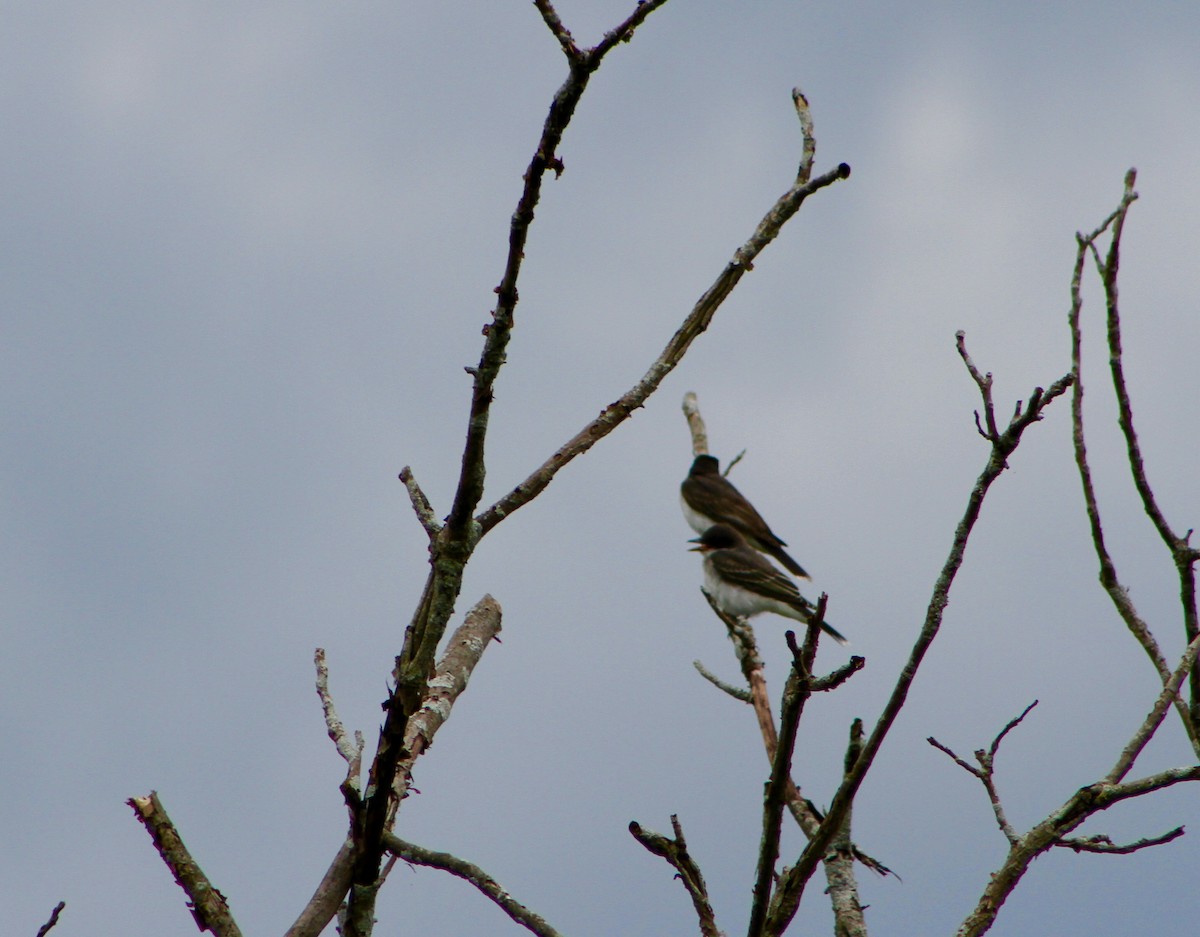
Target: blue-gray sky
(246, 255)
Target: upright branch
(1183, 555)
(1002, 444)
(839, 862)
(675, 851)
(451, 546)
(797, 690)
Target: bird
(742, 583)
(708, 498)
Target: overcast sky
(247, 252)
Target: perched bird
(743, 584)
(709, 498)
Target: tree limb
(208, 906)
(46, 928)
(468, 872)
(676, 853)
(791, 887)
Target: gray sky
(246, 255)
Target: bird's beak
(698, 549)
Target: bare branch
(809, 153)
(469, 872)
(984, 381)
(995, 747)
(1154, 719)
(691, 410)
(732, 462)
(479, 628)
(986, 772)
(45, 928)
(1104, 846)
(1109, 579)
(693, 326)
(208, 906)
(795, 695)
(327, 898)
(561, 33)
(962, 763)
(737, 692)
(420, 504)
(351, 753)
(791, 887)
(676, 853)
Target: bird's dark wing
(715, 496)
(741, 566)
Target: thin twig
(693, 326)
(45, 928)
(737, 692)
(1102, 845)
(809, 152)
(469, 872)
(420, 504)
(791, 887)
(691, 410)
(351, 752)
(561, 33)
(986, 772)
(676, 853)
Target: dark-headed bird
(743, 583)
(709, 498)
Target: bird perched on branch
(709, 498)
(742, 583)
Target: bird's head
(717, 537)
(705, 465)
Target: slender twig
(693, 326)
(691, 410)
(1084, 803)
(469, 872)
(420, 504)
(676, 853)
(1109, 579)
(732, 462)
(795, 694)
(809, 153)
(561, 33)
(351, 752)
(737, 692)
(208, 906)
(1012, 724)
(45, 928)
(986, 772)
(791, 888)
(1102, 845)
(1182, 553)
